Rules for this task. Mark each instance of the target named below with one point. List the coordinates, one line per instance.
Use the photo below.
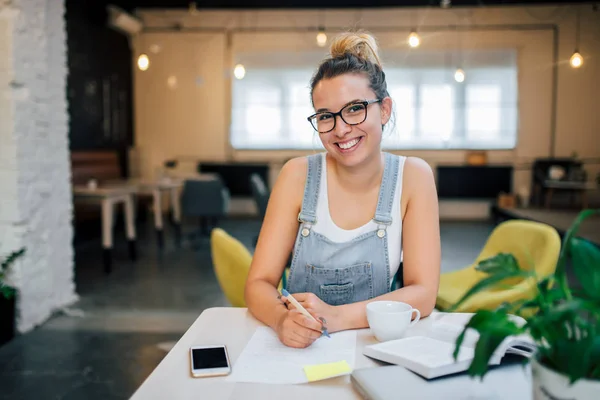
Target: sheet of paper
(266, 360)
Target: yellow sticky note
(325, 371)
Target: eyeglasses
(352, 114)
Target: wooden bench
(101, 165)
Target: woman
(347, 214)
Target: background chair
(231, 263)
(540, 170)
(261, 193)
(207, 200)
(534, 245)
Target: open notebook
(428, 352)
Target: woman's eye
(323, 117)
(356, 108)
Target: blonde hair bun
(360, 44)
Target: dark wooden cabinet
(99, 83)
(473, 182)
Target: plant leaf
(12, 257)
(561, 311)
(500, 263)
(572, 357)
(493, 327)
(560, 273)
(586, 265)
(488, 282)
(7, 291)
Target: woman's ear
(386, 110)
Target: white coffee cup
(389, 320)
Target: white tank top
(329, 229)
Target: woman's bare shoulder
(291, 179)
(295, 169)
(417, 166)
(417, 176)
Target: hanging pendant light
(239, 71)
(321, 35)
(576, 60)
(413, 39)
(459, 75)
(321, 38)
(143, 62)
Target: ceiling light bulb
(321, 39)
(239, 71)
(576, 60)
(143, 62)
(459, 75)
(414, 40)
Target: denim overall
(348, 272)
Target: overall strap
(308, 213)
(383, 214)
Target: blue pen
(301, 309)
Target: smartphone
(209, 361)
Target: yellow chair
(533, 244)
(231, 263)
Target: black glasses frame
(365, 103)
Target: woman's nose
(341, 127)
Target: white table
(234, 327)
(108, 196)
(156, 189)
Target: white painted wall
(35, 189)
(193, 120)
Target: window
(432, 111)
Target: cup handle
(417, 317)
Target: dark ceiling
(246, 4)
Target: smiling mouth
(347, 145)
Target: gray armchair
(261, 193)
(206, 200)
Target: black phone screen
(209, 358)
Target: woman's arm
(422, 255)
(275, 243)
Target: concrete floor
(110, 341)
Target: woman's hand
(326, 314)
(297, 330)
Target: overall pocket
(337, 286)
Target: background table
(156, 189)
(234, 327)
(574, 187)
(108, 196)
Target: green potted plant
(7, 299)
(564, 321)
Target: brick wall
(35, 192)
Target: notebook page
(448, 327)
(266, 360)
(426, 351)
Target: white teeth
(349, 144)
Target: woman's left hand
(328, 315)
